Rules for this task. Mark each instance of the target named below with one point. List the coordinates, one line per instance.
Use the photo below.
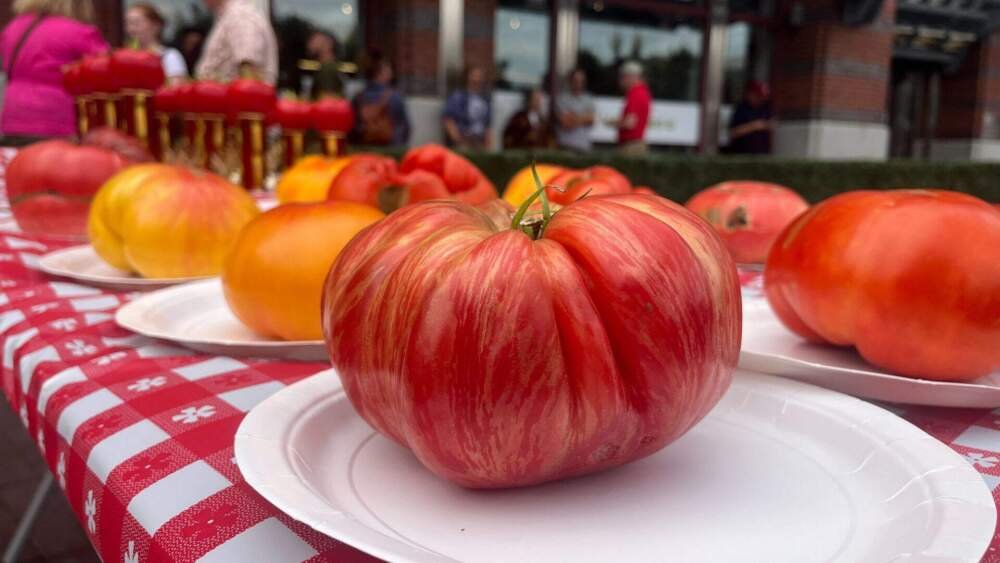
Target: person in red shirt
(635, 114)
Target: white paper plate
(778, 471)
(82, 264)
(769, 347)
(196, 315)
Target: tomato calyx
(534, 226)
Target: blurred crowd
(47, 35)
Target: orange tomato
(309, 179)
(168, 221)
(571, 185)
(522, 185)
(273, 280)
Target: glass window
(295, 21)
(521, 43)
(746, 59)
(668, 45)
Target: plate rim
(125, 314)
(792, 363)
(44, 264)
(292, 401)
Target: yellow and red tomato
(525, 358)
(273, 279)
(748, 215)
(164, 221)
(911, 278)
(309, 179)
(522, 184)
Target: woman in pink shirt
(45, 36)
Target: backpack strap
(20, 43)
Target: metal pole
(451, 27)
(564, 42)
(13, 550)
(714, 74)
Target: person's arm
(249, 47)
(454, 135)
(450, 117)
(748, 128)
(402, 129)
(586, 119)
(568, 120)
(488, 139)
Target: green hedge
(679, 176)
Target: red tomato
(291, 114)
(73, 80)
(749, 215)
(251, 96)
(461, 178)
(96, 71)
(571, 185)
(138, 69)
(501, 360)
(170, 98)
(209, 96)
(376, 181)
(911, 278)
(332, 115)
(50, 185)
(122, 143)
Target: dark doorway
(914, 101)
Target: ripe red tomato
(911, 278)
(501, 359)
(748, 215)
(50, 185)
(571, 185)
(209, 96)
(291, 114)
(251, 96)
(332, 114)
(463, 180)
(135, 68)
(374, 180)
(122, 143)
(96, 71)
(73, 80)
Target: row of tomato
(589, 326)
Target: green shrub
(678, 177)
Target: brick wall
(970, 97)
(406, 32)
(478, 36)
(824, 70)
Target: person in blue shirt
(468, 113)
(380, 116)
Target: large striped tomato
(503, 359)
(273, 279)
(748, 215)
(911, 278)
(168, 221)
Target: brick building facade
(910, 79)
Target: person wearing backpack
(379, 110)
(44, 36)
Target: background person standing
(241, 42)
(635, 113)
(469, 112)
(44, 36)
(575, 114)
(144, 24)
(750, 124)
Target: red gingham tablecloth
(139, 434)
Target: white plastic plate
(82, 264)
(778, 471)
(196, 315)
(769, 347)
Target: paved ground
(57, 536)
